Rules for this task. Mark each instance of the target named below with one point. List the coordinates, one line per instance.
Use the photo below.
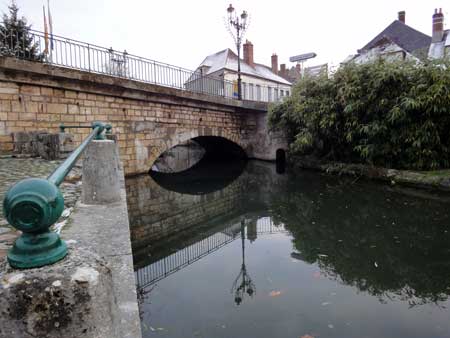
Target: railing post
(89, 57)
(33, 205)
(201, 80)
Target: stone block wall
(144, 129)
(42, 144)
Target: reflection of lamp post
(240, 26)
(142, 296)
(246, 285)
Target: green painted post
(101, 126)
(33, 205)
(108, 128)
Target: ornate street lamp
(240, 24)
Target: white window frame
(258, 92)
(251, 91)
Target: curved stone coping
(71, 298)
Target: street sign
(302, 57)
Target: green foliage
(15, 36)
(382, 113)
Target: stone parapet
(147, 119)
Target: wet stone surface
(13, 170)
(69, 299)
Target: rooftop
(403, 35)
(227, 59)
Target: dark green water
(306, 255)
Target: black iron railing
(64, 52)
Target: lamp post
(240, 24)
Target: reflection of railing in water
(266, 226)
(180, 259)
(166, 266)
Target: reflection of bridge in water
(160, 269)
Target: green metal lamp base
(33, 251)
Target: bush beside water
(394, 115)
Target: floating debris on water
(275, 293)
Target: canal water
(244, 251)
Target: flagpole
(45, 35)
(50, 24)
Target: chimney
(402, 16)
(248, 53)
(438, 25)
(275, 63)
(283, 72)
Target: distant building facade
(398, 42)
(295, 73)
(259, 82)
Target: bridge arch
(204, 136)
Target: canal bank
(436, 180)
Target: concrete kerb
(104, 229)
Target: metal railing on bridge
(174, 262)
(69, 53)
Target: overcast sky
(183, 33)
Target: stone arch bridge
(147, 119)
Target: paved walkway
(15, 169)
